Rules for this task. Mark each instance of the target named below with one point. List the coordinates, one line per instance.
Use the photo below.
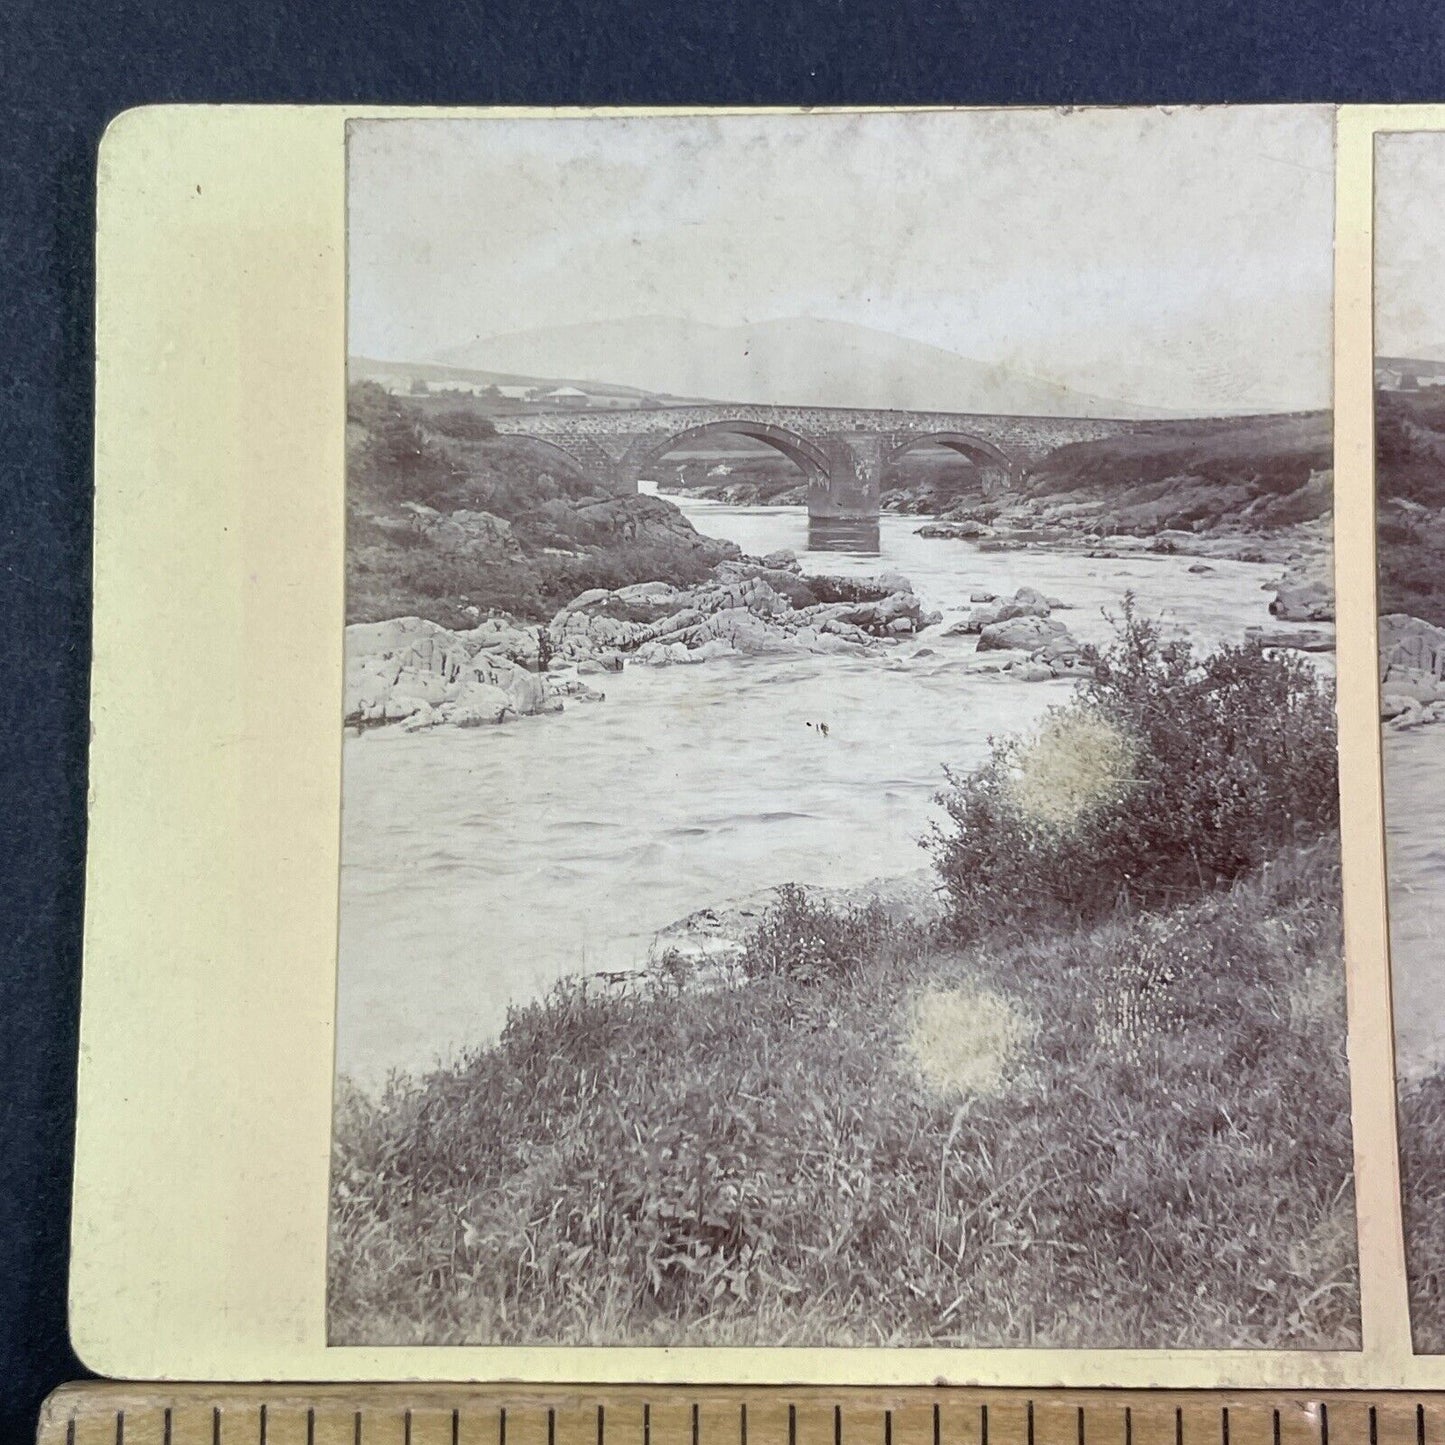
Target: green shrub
(803, 938)
(1168, 775)
(463, 424)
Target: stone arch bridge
(841, 450)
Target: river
(478, 866)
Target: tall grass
(1130, 1133)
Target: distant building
(566, 396)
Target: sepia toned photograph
(840, 817)
(1410, 551)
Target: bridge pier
(850, 489)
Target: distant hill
(799, 360)
(370, 368)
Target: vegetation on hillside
(1410, 495)
(565, 532)
(1256, 473)
(1109, 1115)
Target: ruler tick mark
(456, 1425)
(694, 1423)
(937, 1424)
(1276, 1428)
(1128, 1425)
(215, 1425)
(1178, 1426)
(406, 1427)
(888, 1427)
(1224, 1425)
(551, 1426)
(166, 1427)
(743, 1423)
(983, 1424)
(311, 1425)
(1324, 1424)
(1030, 1418)
(647, 1425)
(356, 1428)
(120, 1427)
(599, 1425)
(792, 1425)
(262, 1435)
(1419, 1425)
(502, 1426)
(837, 1425)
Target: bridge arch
(805, 454)
(974, 448)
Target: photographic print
(1410, 503)
(840, 822)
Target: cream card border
(206, 1038)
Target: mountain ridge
(801, 361)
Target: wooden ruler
(108, 1413)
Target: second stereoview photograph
(840, 818)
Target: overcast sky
(1410, 245)
(1178, 259)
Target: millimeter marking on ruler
(114, 1414)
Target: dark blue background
(65, 69)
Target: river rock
(1294, 639)
(1026, 602)
(956, 531)
(1028, 633)
(983, 596)
(1306, 592)
(479, 705)
(398, 669)
(782, 581)
(783, 560)
(1411, 644)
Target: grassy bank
(1105, 1104)
(1422, 1177)
(1130, 1133)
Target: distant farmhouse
(1407, 373)
(565, 396)
(500, 392)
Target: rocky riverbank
(419, 674)
(1412, 672)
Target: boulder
(1411, 644)
(983, 596)
(783, 561)
(1306, 592)
(479, 705)
(1028, 633)
(1026, 602)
